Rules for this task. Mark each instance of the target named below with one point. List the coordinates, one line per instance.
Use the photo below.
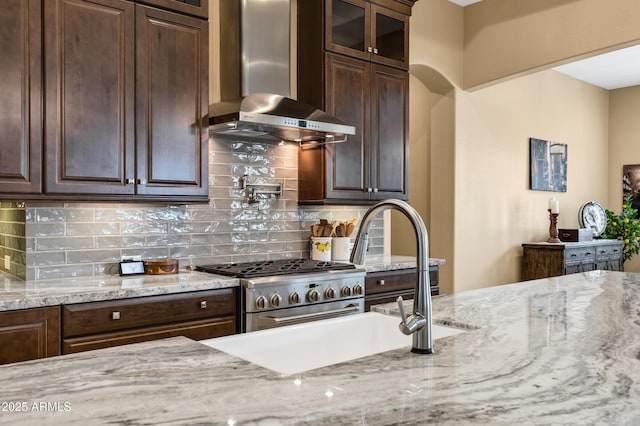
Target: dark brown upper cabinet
(365, 30)
(89, 96)
(21, 97)
(126, 101)
(372, 164)
(172, 103)
(198, 8)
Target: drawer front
(580, 255)
(100, 317)
(391, 297)
(197, 330)
(609, 252)
(405, 279)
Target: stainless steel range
(293, 291)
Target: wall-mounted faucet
(419, 322)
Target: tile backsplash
(55, 240)
(12, 238)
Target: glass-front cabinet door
(390, 37)
(364, 30)
(348, 27)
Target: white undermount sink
(298, 348)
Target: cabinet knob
(203, 304)
(115, 315)
(131, 181)
(381, 282)
(375, 189)
(369, 189)
(369, 49)
(375, 51)
(142, 181)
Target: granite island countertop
(18, 294)
(561, 351)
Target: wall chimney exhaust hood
(275, 118)
(254, 80)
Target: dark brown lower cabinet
(385, 287)
(29, 334)
(197, 315)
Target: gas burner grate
(273, 267)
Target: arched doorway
(431, 169)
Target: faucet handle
(403, 315)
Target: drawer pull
(115, 315)
(588, 253)
(380, 282)
(203, 304)
(573, 255)
(603, 251)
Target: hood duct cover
(259, 107)
(274, 118)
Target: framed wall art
(548, 165)
(631, 184)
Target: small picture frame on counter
(131, 267)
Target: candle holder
(553, 227)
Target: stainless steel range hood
(274, 118)
(254, 80)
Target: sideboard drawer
(609, 251)
(580, 255)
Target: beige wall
(495, 209)
(504, 38)
(624, 147)
(480, 163)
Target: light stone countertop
(393, 262)
(18, 294)
(557, 351)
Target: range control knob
(313, 296)
(329, 293)
(294, 298)
(357, 289)
(345, 291)
(261, 302)
(275, 300)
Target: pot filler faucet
(419, 322)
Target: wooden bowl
(161, 267)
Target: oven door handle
(316, 315)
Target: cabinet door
(20, 97)
(390, 37)
(29, 334)
(348, 26)
(89, 79)
(390, 133)
(347, 97)
(189, 7)
(172, 103)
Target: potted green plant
(624, 227)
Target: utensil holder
(321, 249)
(340, 248)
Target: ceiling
(464, 2)
(613, 70)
